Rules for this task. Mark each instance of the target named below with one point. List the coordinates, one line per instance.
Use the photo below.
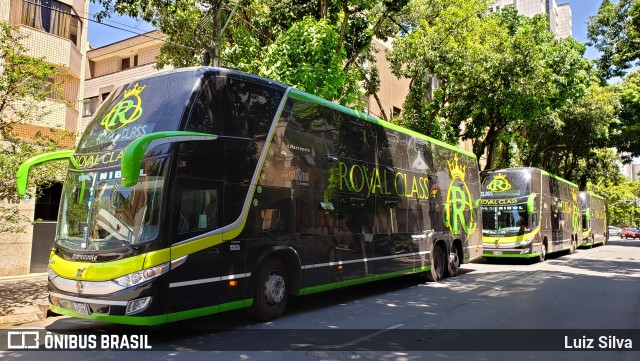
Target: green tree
(626, 133)
(437, 44)
(246, 35)
(25, 83)
(496, 73)
(622, 211)
(615, 32)
(572, 141)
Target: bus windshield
(505, 220)
(98, 213)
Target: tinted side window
(234, 107)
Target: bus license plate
(497, 253)
(81, 308)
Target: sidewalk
(23, 298)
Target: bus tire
(438, 264)
(454, 262)
(543, 253)
(271, 291)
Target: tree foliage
(497, 72)
(248, 35)
(615, 32)
(572, 142)
(626, 133)
(25, 84)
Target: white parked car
(614, 231)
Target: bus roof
(551, 175)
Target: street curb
(26, 314)
(22, 277)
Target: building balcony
(56, 50)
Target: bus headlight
(524, 243)
(139, 277)
(51, 273)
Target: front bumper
(529, 251)
(112, 307)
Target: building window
(51, 16)
(90, 106)
(135, 60)
(395, 112)
(126, 64)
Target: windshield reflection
(98, 213)
(508, 220)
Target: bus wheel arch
(455, 258)
(278, 277)
(543, 250)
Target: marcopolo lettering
(84, 257)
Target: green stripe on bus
(357, 281)
(526, 255)
(158, 319)
(209, 310)
(127, 320)
(558, 178)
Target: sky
(100, 34)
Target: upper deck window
(235, 107)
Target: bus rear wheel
(271, 291)
(438, 264)
(454, 262)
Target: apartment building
(559, 15)
(392, 90)
(57, 31)
(115, 64)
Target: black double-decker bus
(202, 190)
(528, 213)
(594, 219)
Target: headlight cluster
(51, 273)
(524, 243)
(139, 277)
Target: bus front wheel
(543, 253)
(438, 264)
(271, 291)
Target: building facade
(115, 64)
(56, 31)
(559, 15)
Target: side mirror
(531, 203)
(135, 151)
(22, 176)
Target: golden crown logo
(135, 91)
(457, 171)
(499, 183)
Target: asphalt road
(527, 307)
